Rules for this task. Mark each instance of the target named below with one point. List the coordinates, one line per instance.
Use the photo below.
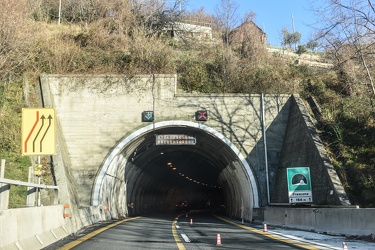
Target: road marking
(322, 246)
(92, 234)
(180, 245)
(269, 235)
(186, 239)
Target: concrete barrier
(335, 221)
(33, 227)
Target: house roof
(247, 23)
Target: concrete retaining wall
(336, 221)
(303, 147)
(33, 227)
(37, 227)
(96, 112)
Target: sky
(270, 15)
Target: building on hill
(245, 34)
(180, 30)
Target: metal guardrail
(33, 189)
(26, 184)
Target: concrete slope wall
(303, 148)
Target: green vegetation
(113, 38)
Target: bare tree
(227, 16)
(16, 36)
(157, 15)
(349, 33)
(200, 17)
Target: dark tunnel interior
(159, 176)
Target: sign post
(299, 185)
(38, 136)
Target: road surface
(199, 230)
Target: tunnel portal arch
(111, 186)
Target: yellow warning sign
(38, 131)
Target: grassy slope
(72, 49)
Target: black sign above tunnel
(201, 115)
(147, 116)
(175, 139)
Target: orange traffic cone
(344, 246)
(265, 228)
(218, 239)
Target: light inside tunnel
(155, 177)
(196, 180)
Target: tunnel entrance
(145, 175)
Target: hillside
(33, 43)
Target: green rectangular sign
(299, 184)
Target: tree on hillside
(312, 45)
(349, 34)
(227, 17)
(72, 11)
(155, 15)
(290, 39)
(14, 41)
(200, 17)
(301, 49)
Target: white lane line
(311, 242)
(186, 239)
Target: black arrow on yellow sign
(40, 129)
(49, 125)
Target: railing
(196, 21)
(33, 189)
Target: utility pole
(294, 32)
(58, 22)
(294, 29)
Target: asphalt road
(179, 231)
(203, 230)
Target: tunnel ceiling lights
(197, 182)
(205, 159)
(171, 166)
